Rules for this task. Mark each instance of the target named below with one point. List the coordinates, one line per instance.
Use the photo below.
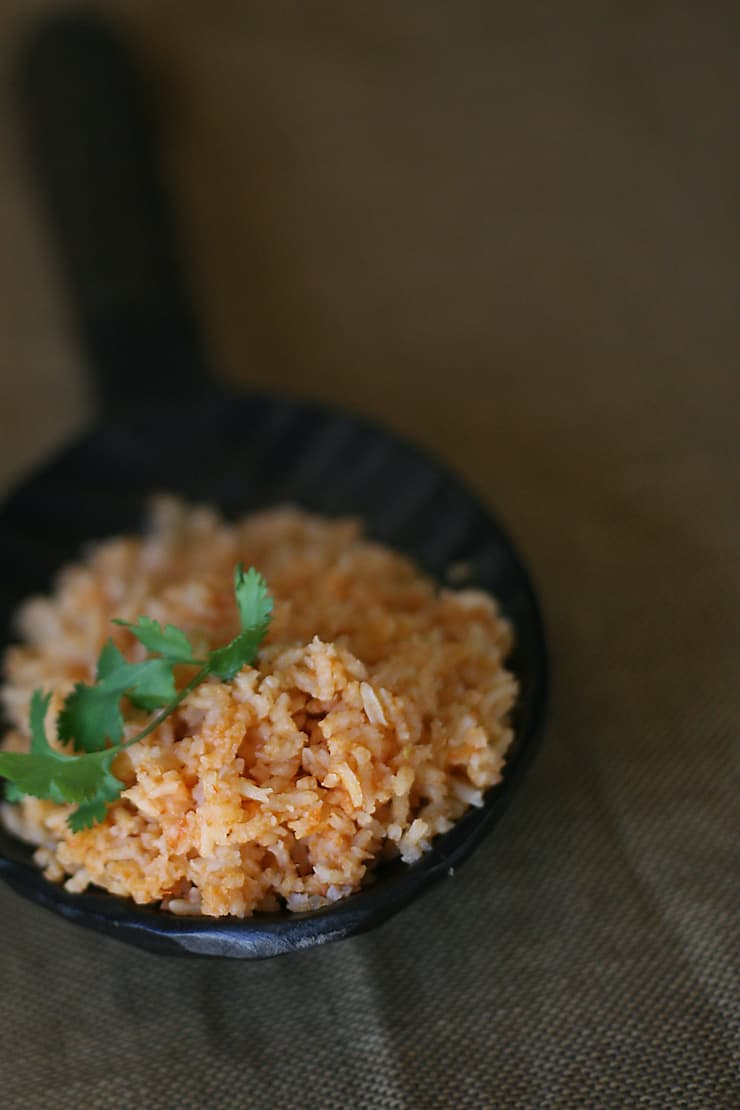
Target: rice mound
(375, 715)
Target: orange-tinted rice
(376, 714)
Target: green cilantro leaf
(60, 778)
(37, 720)
(91, 715)
(253, 599)
(89, 718)
(226, 662)
(149, 684)
(110, 660)
(255, 612)
(93, 811)
(153, 684)
(63, 778)
(169, 642)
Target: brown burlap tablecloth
(509, 234)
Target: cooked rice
(375, 715)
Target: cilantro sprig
(91, 720)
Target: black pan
(93, 148)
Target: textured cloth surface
(510, 236)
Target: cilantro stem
(164, 713)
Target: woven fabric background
(510, 233)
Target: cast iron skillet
(93, 149)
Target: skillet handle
(93, 147)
